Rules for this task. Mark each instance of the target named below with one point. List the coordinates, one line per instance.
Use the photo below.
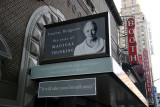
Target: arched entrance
(31, 52)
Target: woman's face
(90, 31)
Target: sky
(151, 9)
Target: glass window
(132, 2)
(124, 40)
(143, 42)
(144, 46)
(124, 4)
(138, 16)
(141, 28)
(125, 11)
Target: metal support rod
(156, 79)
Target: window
(124, 4)
(142, 37)
(141, 23)
(141, 28)
(132, 2)
(125, 11)
(138, 16)
(124, 40)
(143, 41)
(133, 8)
(144, 46)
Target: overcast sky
(151, 11)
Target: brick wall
(14, 16)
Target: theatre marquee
(80, 38)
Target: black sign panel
(81, 38)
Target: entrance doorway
(66, 102)
(46, 102)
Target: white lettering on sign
(147, 72)
(133, 57)
(130, 23)
(131, 31)
(132, 48)
(131, 41)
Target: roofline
(114, 11)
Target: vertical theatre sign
(131, 41)
(147, 72)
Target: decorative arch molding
(31, 50)
(4, 49)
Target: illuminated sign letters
(131, 41)
(147, 72)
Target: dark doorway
(46, 102)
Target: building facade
(21, 39)
(131, 9)
(158, 99)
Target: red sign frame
(132, 41)
(147, 72)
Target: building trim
(114, 11)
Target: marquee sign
(132, 41)
(147, 72)
(80, 38)
(63, 88)
(72, 68)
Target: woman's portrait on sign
(76, 39)
(93, 43)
